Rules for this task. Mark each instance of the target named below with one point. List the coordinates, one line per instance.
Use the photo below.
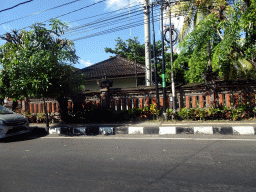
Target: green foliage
(153, 110)
(217, 113)
(169, 112)
(232, 36)
(36, 64)
(128, 49)
(184, 113)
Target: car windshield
(3, 111)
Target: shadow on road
(34, 134)
(177, 165)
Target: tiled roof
(114, 67)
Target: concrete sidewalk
(246, 127)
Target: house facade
(121, 71)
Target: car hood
(12, 117)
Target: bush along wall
(220, 113)
(96, 115)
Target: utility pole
(163, 63)
(171, 60)
(155, 60)
(147, 43)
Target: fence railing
(227, 95)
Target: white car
(12, 123)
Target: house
(117, 69)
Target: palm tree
(199, 10)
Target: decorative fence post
(221, 101)
(187, 102)
(201, 101)
(228, 100)
(135, 102)
(104, 98)
(105, 84)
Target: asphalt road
(128, 163)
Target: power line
(71, 12)
(114, 19)
(122, 27)
(16, 5)
(110, 12)
(98, 25)
(100, 20)
(41, 11)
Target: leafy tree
(37, 64)
(229, 55)
(128, 49)
(132, 46)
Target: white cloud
(85, 63)
(7, 28)
(118, 4)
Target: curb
(161, 130)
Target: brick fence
(200, 95)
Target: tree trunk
(63, 107)
(47, 118)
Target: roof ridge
(113, 67)
(99, 62)
(133, 62)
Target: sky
(93, 24)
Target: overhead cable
(41, 11)
(101, 20)
(110, 12)
(16, 6)
(72, 11)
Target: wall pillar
(154, 101)
(53, 107)
(147, 101)
(104, 98)
(194, 102)
(208, 101)
(141, 103)
(118, 104)
(181, 101)
(49, 107)
(236, 100)
(221, 100)
(112, 104)
(123, 103)
(228, 100)
(135, 102)
(187, 102)
(35, 107)
(244, 98)
(168, 102)
(31, 108)
(201, 101)
(129, 101)
(161, 102)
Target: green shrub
(154, 111)
(183, 113)
(169, 112)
